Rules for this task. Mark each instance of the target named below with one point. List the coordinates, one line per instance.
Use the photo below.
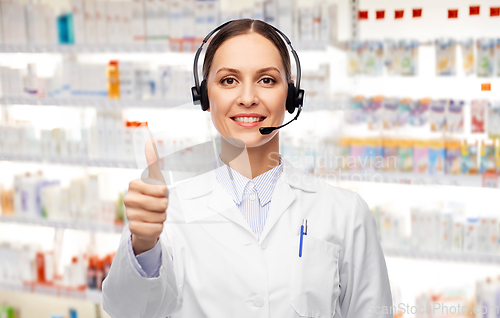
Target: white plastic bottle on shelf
(471, 235)
(101, 22)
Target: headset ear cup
(290, 100)
(204, 96)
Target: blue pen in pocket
(303, 231)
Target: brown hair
(245, 26)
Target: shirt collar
(235, 183)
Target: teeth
(247, 119)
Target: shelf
(71, 161)
(93, 48)
(311, 104)
(410, 178)
(93, 296)
(443, 256)
(92, 102)
(350, 176)
(70, 224)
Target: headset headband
(209, 35)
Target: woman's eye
(228, 80)
(268, 80)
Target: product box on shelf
(487, 156)
(479, 108)
(445, 57)
(467, 48)
(421, 157)
(101, 20)
(90, 21)
(78, 12)
(469, 158)
(485, 57)
(453, 157)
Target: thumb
(153, 162)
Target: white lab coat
(213, 266)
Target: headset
(295, 97)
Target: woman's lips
(248, 125)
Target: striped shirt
(252, 197)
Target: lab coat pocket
(315, 277)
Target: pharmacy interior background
(409, 89)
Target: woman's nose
(248, 95)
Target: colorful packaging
(409, 57)
(469, 158)
(487, 156)
(354, 53)
(356, 114)
(392, 58)
(374, 112)
(455, 116)
(497, 57)
(478, 109)
(373, 58)
(421, 157)
(359, 158)
(418, 112)
(445, 57)
(497, 155)
(453, 157)
(405, 156)
(467, 47)
(390, 154)
(485, 57)
(437, 157)
(494, 121)
(375, 153)
(345, 153)
(404, 111)
(390, 113)
(437, 116)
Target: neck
(254, 161)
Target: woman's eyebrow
(267, 69)
(262, 70)
(231, 70)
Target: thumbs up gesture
(146, 204)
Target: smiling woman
(233, 244)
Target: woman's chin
(246, 140)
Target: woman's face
(247, 82)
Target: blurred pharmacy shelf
(92, 102)
(69, 161)
(93, 296)
(89, 226)
(489, 181)
(443, 256)
(93, 48)
(105, 103)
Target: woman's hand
(146, 204)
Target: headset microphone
(295, 97)
(268, 130)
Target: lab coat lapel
(206, 202)
(221, 202)
(284, 195)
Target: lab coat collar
(205, 183)
(204, 197)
